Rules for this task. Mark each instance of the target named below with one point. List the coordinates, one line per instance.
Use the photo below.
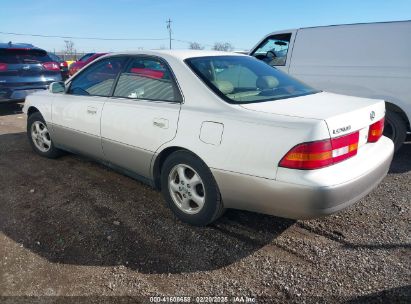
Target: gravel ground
(71, 227)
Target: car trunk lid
(342, 114)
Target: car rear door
(76, 114)
(141, 115)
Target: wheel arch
(39, 102)
(394, 108)
(31, 110)
(160, 159)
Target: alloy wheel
(40, 136)
(186, 189)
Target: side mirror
(57, 87)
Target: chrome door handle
(161, 123)
(91, 110)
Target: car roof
(178, 54)
(18, 46)
(333, 25)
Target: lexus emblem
(372, 115)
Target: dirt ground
(71, 227)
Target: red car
(83, 61)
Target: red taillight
(375, 131)
(51, 66)
(3, 67)
(345, 146)
(64, 64)
(320, 154)
(309, 156)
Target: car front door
(141, 115)
(76, 114)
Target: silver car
(216, 130)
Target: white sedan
(216, 130)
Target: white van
(369, 60)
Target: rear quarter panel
(251, 144)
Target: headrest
(225, 87)
(267, 82)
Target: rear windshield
(23, 56)
(244, 79)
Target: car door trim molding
(98, 137)
(69, 139)
(54, 125)
(127, 145)
(136, 159)
(144, 100)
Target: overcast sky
(242, 23)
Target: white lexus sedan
(216, 130)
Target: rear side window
(147, 78)
(273, 50)
(97, 79)
(23, 56)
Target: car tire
(190, 189)
(395, 128)
(39, 137)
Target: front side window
(273, 50)
(147, 78)
(244, 79)
(97, 79)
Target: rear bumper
(18, 94)
(302, 201)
